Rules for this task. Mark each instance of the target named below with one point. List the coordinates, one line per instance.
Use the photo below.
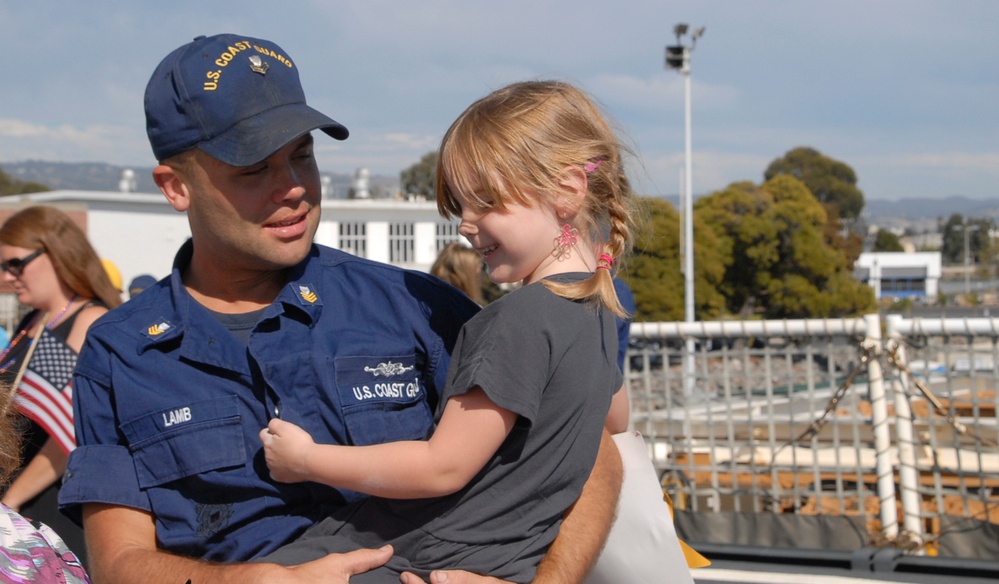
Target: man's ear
(573, 188)
(174, 189)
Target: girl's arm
(468, 435)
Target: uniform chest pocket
(383, 398)
(179, 442)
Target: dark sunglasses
(16, 265)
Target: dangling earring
(564, 242)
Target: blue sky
(904, 91)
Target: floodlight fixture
(680, 30)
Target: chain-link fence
(825, 434)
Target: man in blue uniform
(618, 419)
(255, 321)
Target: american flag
(45, 393)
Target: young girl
(535, 174)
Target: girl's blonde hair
(10, 437)
(515, 144)
(460, 266)
(74, 259)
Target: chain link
(938, 407)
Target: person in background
(257, 322)
(114, 274)
(534, 172)
(460, 266)
(52, 268)
(140, 283)
(32, 551)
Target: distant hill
(95, 176)
(921, 214)
(943, 207)
(72, 176)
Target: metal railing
(835, 435)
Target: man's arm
(619, 415)
(588, 522)
(121, 545)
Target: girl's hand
(286, 449)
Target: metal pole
(678, 58)
(688, 231)
(882, 434)
(908, 476)
(967, 261)
(688, 201)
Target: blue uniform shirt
(627, 300)
(168, 403)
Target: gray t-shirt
(550, 360)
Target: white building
(140, 233)
(900, 275)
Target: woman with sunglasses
(49, 264)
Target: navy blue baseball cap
(238, 99)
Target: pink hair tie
(605, 261)
(592, 164)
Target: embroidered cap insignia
(257, 65)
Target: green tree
(779, 261)
(9, 186)
(952, 239)
(653, 271)
(419, 178)
(952, 233)
(832, 182)
(886, 241)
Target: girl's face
(37, 282)
(515, 242)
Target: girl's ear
(573, 189)
(170, 182)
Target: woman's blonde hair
(460, 266)
(515, 144)
(74, 259)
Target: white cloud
(897, 89)
(22, 140)
(16, 129)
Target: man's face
(255, 218)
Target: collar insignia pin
(307, 294)
(257, 65)
(158, 329)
